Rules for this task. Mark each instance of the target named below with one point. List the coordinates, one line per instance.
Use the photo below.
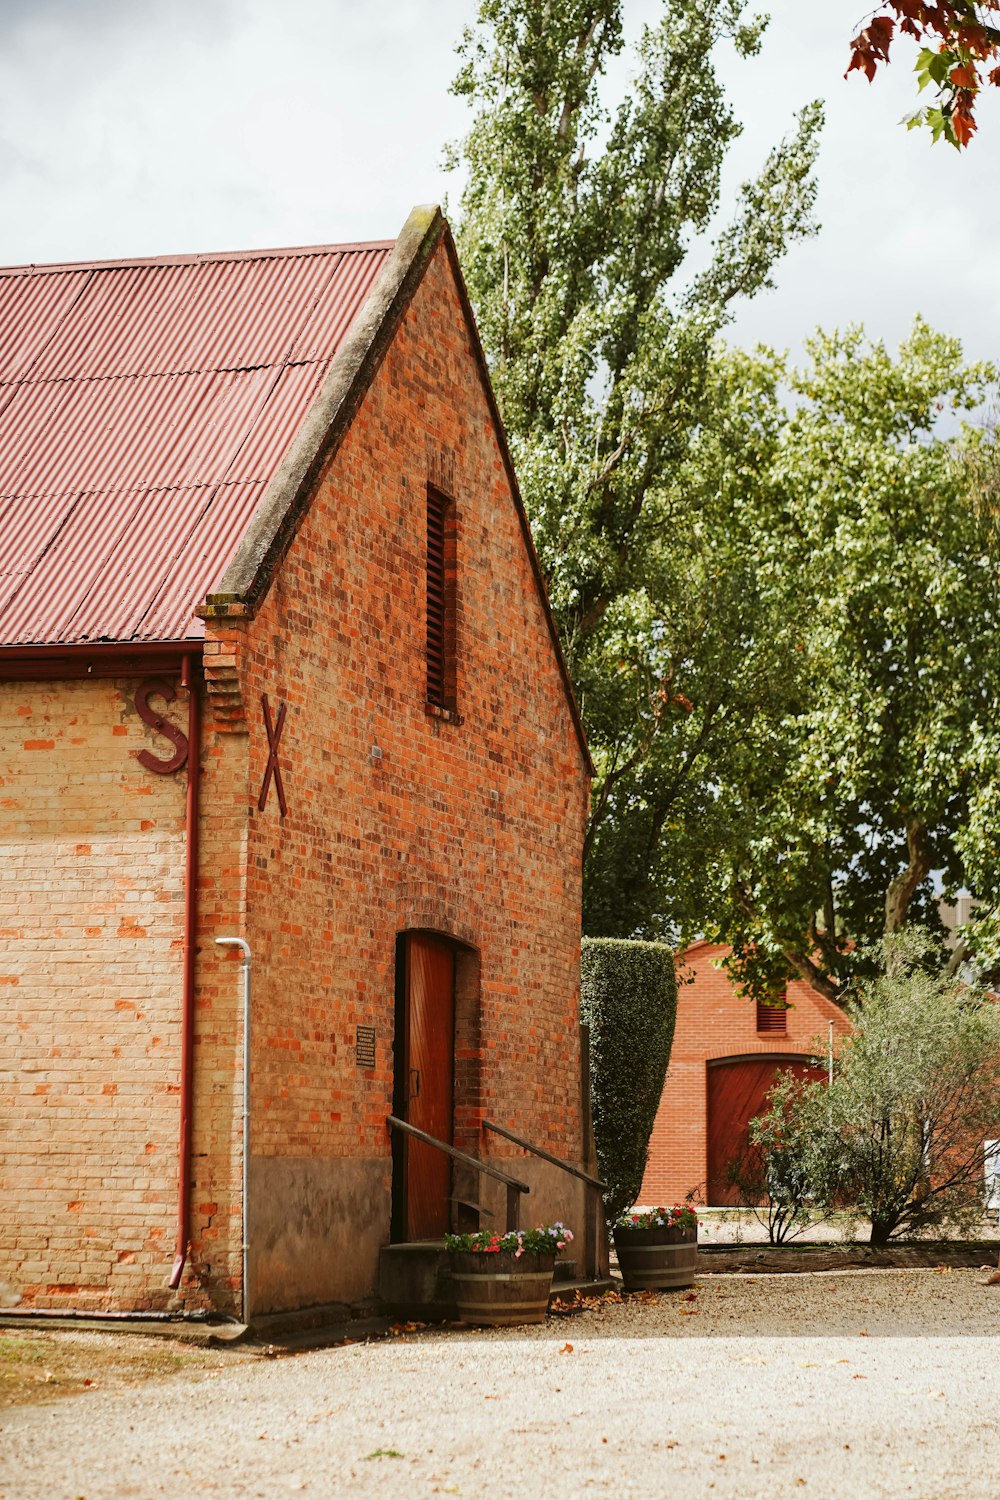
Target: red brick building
(276, 663)
(725, 1055)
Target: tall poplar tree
(780, 614)
(602, 279)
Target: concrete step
(414, 1280)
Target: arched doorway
(437, 1083)
(423, 1084)
(737, 1091)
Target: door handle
(415, 1092)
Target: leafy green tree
(778, 602)
(576, 230)
(898, 1138)
(849, 813)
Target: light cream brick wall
(91, 948)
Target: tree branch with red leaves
(959, 55)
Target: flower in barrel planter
(505, 1279)
(681, 1216)
(657, 1248)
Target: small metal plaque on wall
(365, 1047)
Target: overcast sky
(132, 128)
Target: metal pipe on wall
(245, 966)
(190, 937)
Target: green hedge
(628, 996)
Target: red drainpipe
(190, 934)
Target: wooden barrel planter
(656, 1259)
(498, 1290)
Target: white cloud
(202, 124)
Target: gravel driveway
(873, 1383)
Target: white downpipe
(244, 947)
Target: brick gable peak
(268, 537)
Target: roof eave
(61, 661)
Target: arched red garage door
(737, 1090)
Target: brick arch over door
(737, 1089)
(425, 906)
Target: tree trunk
(902, 889)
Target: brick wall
(469, 825)
(470, 828)
(91, 930)
(713, 1021)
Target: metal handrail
(514, 1187)
(545, 1155)
(596, 1238)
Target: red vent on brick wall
(436, 612)
(771, 1017)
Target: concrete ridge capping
(276, 521)
(354, 367)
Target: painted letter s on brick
(158, 687)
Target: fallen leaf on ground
(566, 1349)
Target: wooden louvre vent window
(440, 605)
(772, 1017)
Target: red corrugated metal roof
(144, 408)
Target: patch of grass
(16, 1349)
(38, 1366)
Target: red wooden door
(737, 1091)
(430, 1055)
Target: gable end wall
(473, 828)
